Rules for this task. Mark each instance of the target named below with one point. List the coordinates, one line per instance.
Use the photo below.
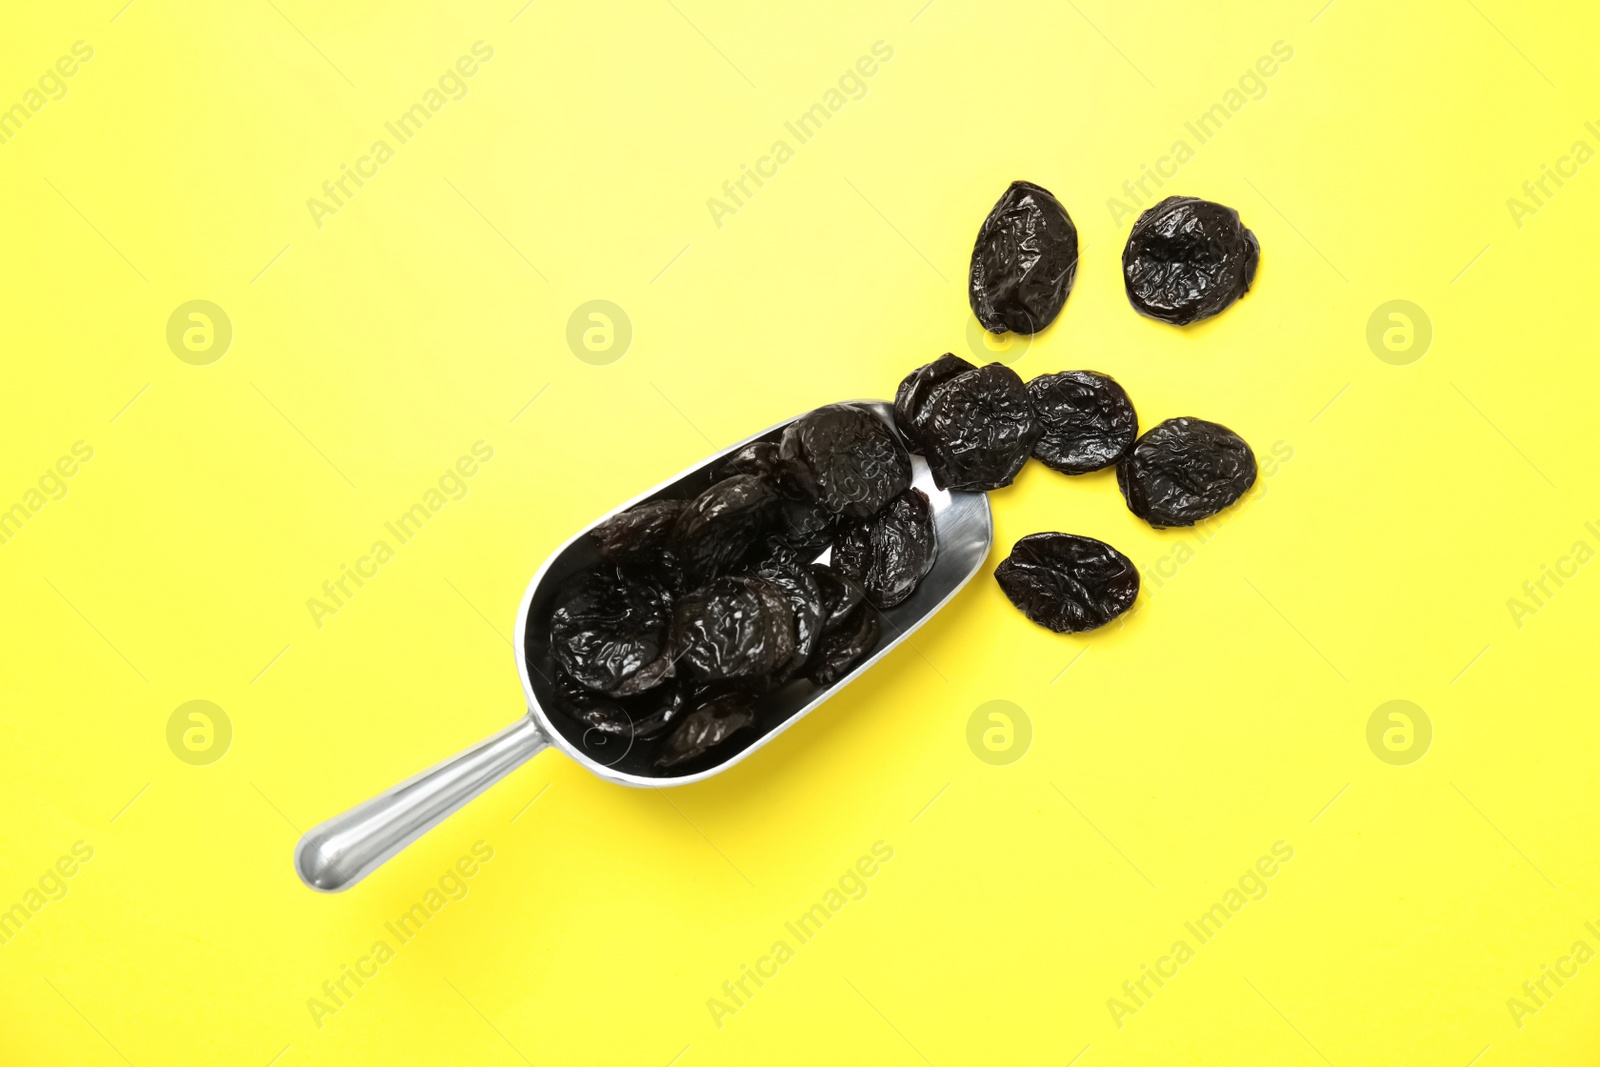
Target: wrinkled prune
(712, 722)
(640, 717)
(918, 387)
(841, 649)
(840, 595)
(758, 457)
(979, 429)
(804, 525)
(720, 526)
(638, 531)
(1187, 259)
(846, 458)
(800, 587)
(1023, 262)
(1068, 583)
(889, 553)
(610, 631)
(737, 627)
(1087, 420)
(1185, 470)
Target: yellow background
(369, 353)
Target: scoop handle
(337, 854)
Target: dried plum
(1187, 259)
(1088, 422)
(800, 587)
(804, 525)
(712, 722)
(889, 553)
(610, 631)
(640, 717)
(840, 595)
(979, 429)
(718, 528)
(736, 627)
(918, 387)
(1185, 470)
(1023, 262)
(846, 458)
(841, 649)
(1068, 583)
(638, 531)
(758, 457)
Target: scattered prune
(889, 553)
(736, 627)
(846, 458)
(712, 722)
(800, 587)
(638, 531)
(1088, 421)
(1185, 470)
(1023, 262)
(1068, 583)
(979, 429)
(911, 399)
(840, 595)
(1187, 259)
(843, 648)
(718, 527)
(610, 631)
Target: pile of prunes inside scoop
(701, 607)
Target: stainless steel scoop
(345, 849)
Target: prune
(1068, 583)
(979, 429)
(1185, 470)
(1023, 262)
(758, 457)
(1187, 259)
(1088, 422)
(640, 717)
(804, 525)
(911, 399)
(846, 458)
(610, 631)
(800, 587)
(736, 627)
(840, 595)
(842, 648)
(712, 722)
(889, 553)
(640, 530)
(718, 527)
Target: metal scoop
(345, 849)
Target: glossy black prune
(1187, 259)
(736, 627)
(840, 595)
(979, 429)
(800, 587)
(841, 649)
(720, 526)
(846, 458)
(640, 717)
(1023, 262)
(611, 630)
(758, 457)
(1185, 470)
(1087, 421)
(889, 553)
(713, 721)
(1068, 583)
(918, 387)
(639, 531)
